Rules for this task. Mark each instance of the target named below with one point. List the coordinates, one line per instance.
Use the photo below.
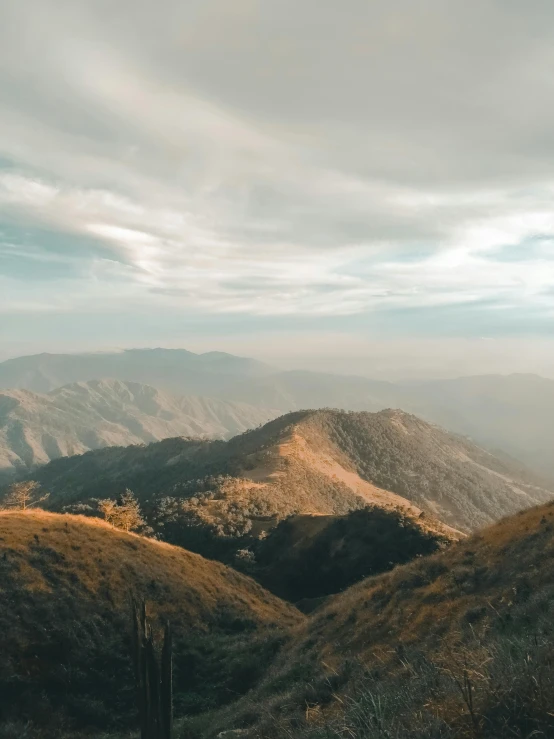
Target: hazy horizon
(382, 361)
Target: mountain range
(509, 414)
(175, 370)
(410, 619)
(35, 429)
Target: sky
(329, 184)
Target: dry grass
(101, 561)
(405, 641)
(65, 583)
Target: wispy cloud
(280, 160)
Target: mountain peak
(324, 461)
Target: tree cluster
(24, 495)
(124, 513)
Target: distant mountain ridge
(512, 413)
(34, 429)
(175, 370)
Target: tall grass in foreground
(489, 689)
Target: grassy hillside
(458, 645)
(509, 413)
(446, 475)
(65, 619)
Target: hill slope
(65, 621)
(35, 429)
(306, 558)
(511, 413)
(309, 462)
(457, 645)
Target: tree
(24, 495)
(107, 508)
(125, 514)
(130, 515)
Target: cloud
(281, 160)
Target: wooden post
(153, 677)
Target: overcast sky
(301, 180)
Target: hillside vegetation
(306, 558)
(66, 583)
(34, 429)
(309, 462)
(446, 475)
(458, 645)
(508, 413)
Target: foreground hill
(65, 621)
(35, 429)
(309, 462)
(458, 645)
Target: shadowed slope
(310, 557)
(64, 621)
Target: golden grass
(428, 600)
(93, 559)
